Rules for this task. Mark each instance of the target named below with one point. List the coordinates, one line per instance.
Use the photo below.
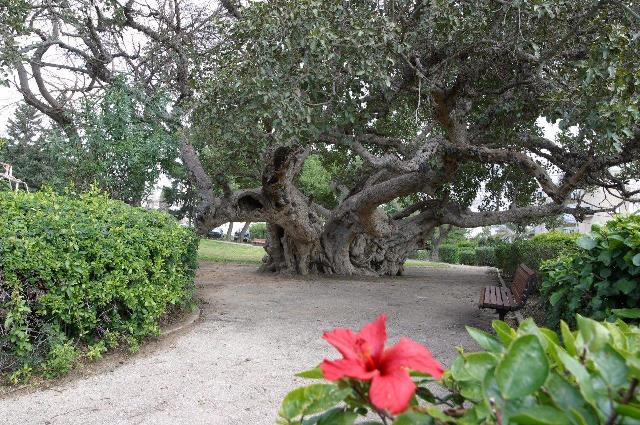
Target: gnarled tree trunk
(437, 237)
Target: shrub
(75, 271)
(506, 259)
(258, 230)
(534, 251)
(529, 375)
(449, 254)
(467, 256)
(602, 277)
(485, 256)
(421, 254)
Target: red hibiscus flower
(365, 358)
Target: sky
(9, 97)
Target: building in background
(606, 199)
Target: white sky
(9, 97)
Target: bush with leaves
(602, 280)
(258, 230)
(485, 256)
(467, 256)
(82, 272)
(533, 252)
(528, 376)
(450, 254)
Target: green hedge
(81, 274)
(485, 256)
(467, 256)
(533, 252)
(449, 254)
(602, 280)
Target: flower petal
(375, 334)
(333, 370)
(344, 340)
(392, 391)
(409, 354)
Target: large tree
(424, 102)
(406, 110)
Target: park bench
(508, 299)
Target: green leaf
(315, 373)
(626, 286)
(505, 332)
(594, 335)
(478, 364)
(568, 338)
(523, 369)
(540, 415)
(413, 418)
(636, 259)
(581, 375)
(612, 366)
(337, 416)
(630, 411)
(311, 399)
(567, 397)
(627, 313)
(586, 242)
(485, 340)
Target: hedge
(467, 256)
(485, 256)
(533, 252)
(507, 256)
(449, 254)
(80, 274)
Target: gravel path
(235, 364)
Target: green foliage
(34, 157)
(485, 256)
(533, 252)
(529, 375)
(85, 270)
(258, 230)
(301, 72)
(449, 254)
(315, 182)
(602, 277)
(467, 256)
(122, 147)
(422, 254)
(60, 360)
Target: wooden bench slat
(505, 299)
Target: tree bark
(436, 240)
(229, 236)
(346, 247)
(244, 230)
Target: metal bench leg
(501, 314)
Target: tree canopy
(356, 128)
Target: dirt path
(235, 365)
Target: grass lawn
(238, 253)
(229, 252)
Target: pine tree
(27, 149)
